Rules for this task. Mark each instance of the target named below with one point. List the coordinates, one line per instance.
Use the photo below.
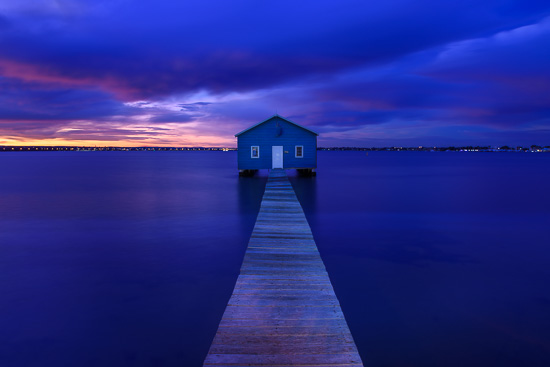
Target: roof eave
(281, 117)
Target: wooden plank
(268, 332)
(338, 321)
(288, 359)
(283, 310)
(286, 345)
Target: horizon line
(235, 148)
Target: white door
(277, 152)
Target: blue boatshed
(277, 143)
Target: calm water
(129, 258)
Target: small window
(255, 151)
(299, 151)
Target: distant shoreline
(532, 149)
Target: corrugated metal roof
(282, 118)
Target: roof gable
(272, 117)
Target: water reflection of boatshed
(277, 143)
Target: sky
(195, 73)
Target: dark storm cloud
(20, 101)
(193, 107)
(145, 51)
(333, 65)
(172, 117)
(505, 77)
(501, 80)
(4, 23)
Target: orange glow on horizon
(207, 142)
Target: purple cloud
(350, 67)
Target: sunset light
(133, 73)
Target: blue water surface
(438, 258)
(118, 258)
(129, 258)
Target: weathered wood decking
(283, 310)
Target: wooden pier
(283, 310)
